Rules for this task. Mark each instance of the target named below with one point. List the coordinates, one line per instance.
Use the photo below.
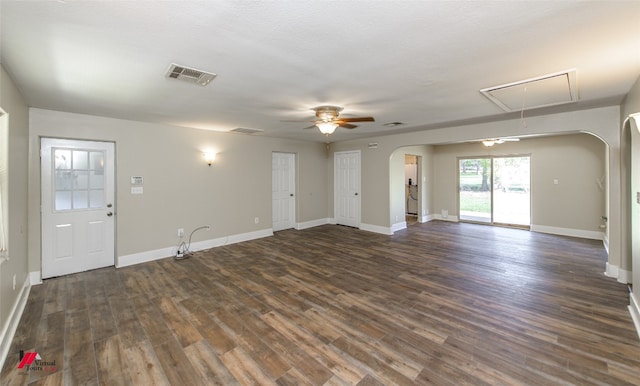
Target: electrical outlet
(256, 220)
(181, 232)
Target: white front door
(78, 188)
(347, 188)
(283, 186)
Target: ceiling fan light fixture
(327, 127)
(489, 142)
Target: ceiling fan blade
(347, 125)
(356, 119)
(310, 127)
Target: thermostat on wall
(136, 180)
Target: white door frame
(351, 194)
(76, 239)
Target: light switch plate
(136, 190)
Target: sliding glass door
(495, 190)
(474, 181)
(511, 190)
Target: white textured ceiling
(418, 62)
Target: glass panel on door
(495, 190)
(511, 190)
(79, 179)
(474, 177)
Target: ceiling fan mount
(327, 113)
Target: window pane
(97, 161)
(80, 160)
(81, 180)
(96, 179)
(96, 198)
(63, 200)
(62, 159)
(80, 199)
(63, 180)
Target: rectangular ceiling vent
(190, 75)
(547, 90)
(243, 130)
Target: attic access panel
(542, 91)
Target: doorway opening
(495, 190)
(411, 188)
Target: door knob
(109, 205)
(291, 194)
(356, 194)
(109, 214)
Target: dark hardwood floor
(438, 303)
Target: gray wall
(631, 138)
(577, 161)
(180, 190)
(12, 103)
(376, 205)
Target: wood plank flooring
(439, 303)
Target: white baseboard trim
(593, 235)
(11, 325)
(377, 229)
(35, 278)
(427, 218)
(312, 223)
(634, 310)
(624, 276)
(445, 218)
(143, 257)
(398, 226)
(611, 270)
(615, 272)
(233, 239)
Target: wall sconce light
(209, 157)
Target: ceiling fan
(328, 120)
(497, 141)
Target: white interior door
(78, 188)
(347, 188)
(283, 187)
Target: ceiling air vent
(243, 130)
(190, 75)
(547, 90)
